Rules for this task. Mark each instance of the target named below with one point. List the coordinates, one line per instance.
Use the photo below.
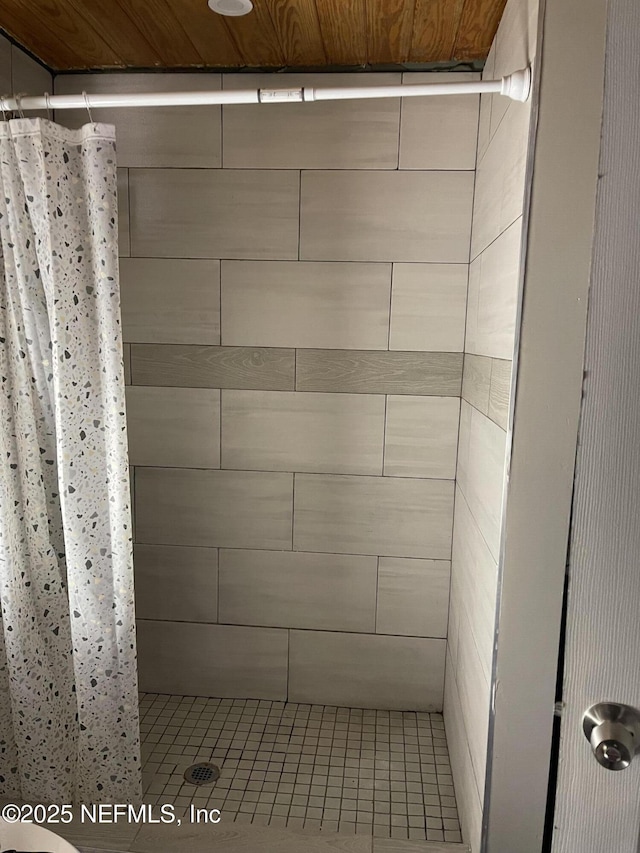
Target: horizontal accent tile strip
(486, 385)
(370, 371)
(189, 366)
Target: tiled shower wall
(20, 74)
(294, 283)
(496, 258)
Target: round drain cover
(202, 774)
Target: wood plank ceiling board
(435, 29)
(389, 29)
(478, 25)
(209, 35)
(343, 24)
(117, 30)
(298, 27)
(255, 37)
(174, 34)
(57, 34)
(160, 23)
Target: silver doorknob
(613, 730)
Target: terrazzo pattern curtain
(68, 684)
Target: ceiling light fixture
(233, 8)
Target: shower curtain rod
(515, 86)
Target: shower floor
(380, 773)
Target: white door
(598, 810)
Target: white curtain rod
(516, 86)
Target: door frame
(544, 420)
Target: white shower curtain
(68, 684)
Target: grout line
(287, 628)
(332, 474)
(293, 509)
(299, 212)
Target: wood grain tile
(124, 231)
(439, 132)
(213, 367)
(323, 135)
(229, 509)
(236, 838)
(421, 437)
(214, 213)
(291, 589)
(500, 178)
(481, 471)
(371, 372)
(173, 427)
(413, 597)
(126, 357)
(428, 306)
(494, 284)
(389, 516)
(500, 392)
(468, 793)
(475, 698)
(159, 136)
(306, 304)
(474, 582)
(386, 216)
(476, 379)
(176, 584)
(169, 301)
(366, 671)
(212, 660)
(292, 431)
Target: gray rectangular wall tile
(5, 65)
(306, 136)
(170, 301)
(329, 592)
(428, 307)
(213, 367)
(212, 660)
(494, 278)
(439, 132)
(124, 237)
(392, 516)
(481, 471)
(229, 213)
(371, 372)
(29, 76)
(155, 136)
(173, 427)
(386, 216)
(230, 509)
(306, 304)
(413, 597)
(364, 671)
(292, 431)
(176, 584)
(421, 437)
(126, 357)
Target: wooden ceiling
(83, 34)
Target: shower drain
(201, 774)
